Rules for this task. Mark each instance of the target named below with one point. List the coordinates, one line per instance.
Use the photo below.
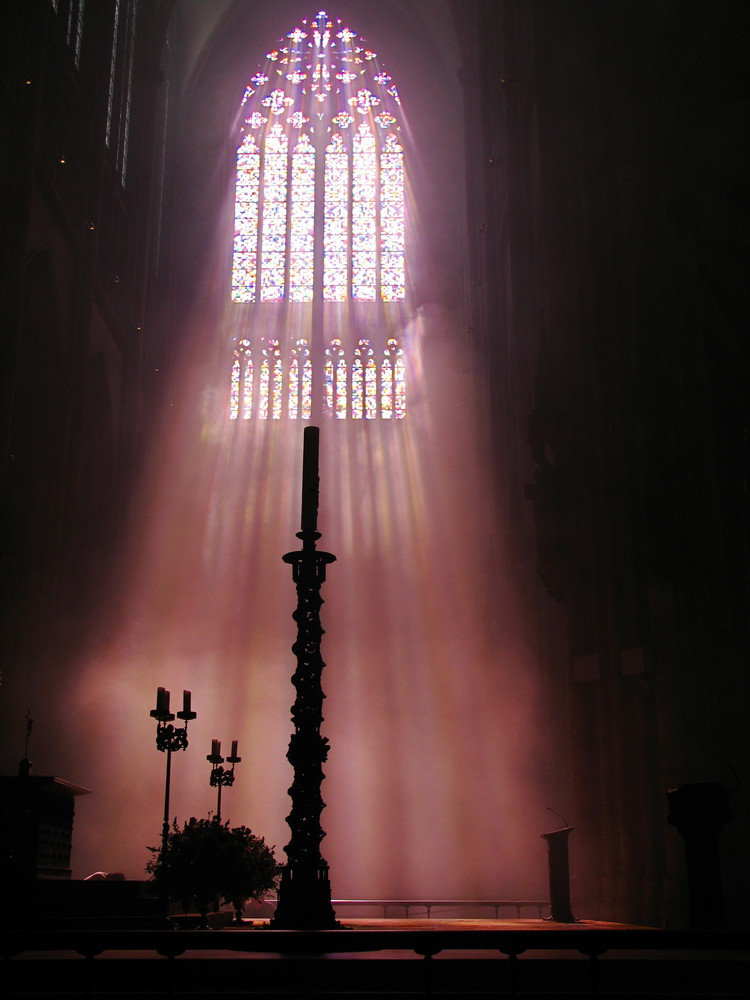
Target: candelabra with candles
(221, 776)
(305, 890)
(169, 739)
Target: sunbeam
(430, 712)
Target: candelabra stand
(221, 776)
(305, 890)
(169, 739)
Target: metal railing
(408, 905)
(328, 945)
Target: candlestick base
(304, 900)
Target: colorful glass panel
(306, 401)
(302, 223)
(386, 389)
(273, 255)
(392, 223)
(247, 390)
(328, 386)
(293, 388)
(278, 386)
(393, 382)
(336, 221)
(358, 389)
(364, 219)
(244, 273)
(300, 382)
(371, 389)
(341, 400)
(263, 390)
(234, 395)
(399, 384)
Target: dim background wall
(609, 232)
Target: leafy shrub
(206, 861)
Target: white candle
(234, 748)
(215, 748)
(186, 701)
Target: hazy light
(430, 708)
(430, 714)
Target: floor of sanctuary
(464, 924)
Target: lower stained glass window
(273, 387)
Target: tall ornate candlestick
(305, 890)
(221, 776)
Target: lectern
(559, 875)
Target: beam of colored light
(430, 706)
(429, 713)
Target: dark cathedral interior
(582, 198)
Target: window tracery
(319, 216)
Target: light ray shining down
(430, 713)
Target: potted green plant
(205, 861)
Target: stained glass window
(276, 387)
(326, 100)
(320, 216)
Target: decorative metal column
(305, 890)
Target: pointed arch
(319, 217)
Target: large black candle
(310, 479)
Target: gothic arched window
(319, 242)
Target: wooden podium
(559, 875)
(36, 828)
